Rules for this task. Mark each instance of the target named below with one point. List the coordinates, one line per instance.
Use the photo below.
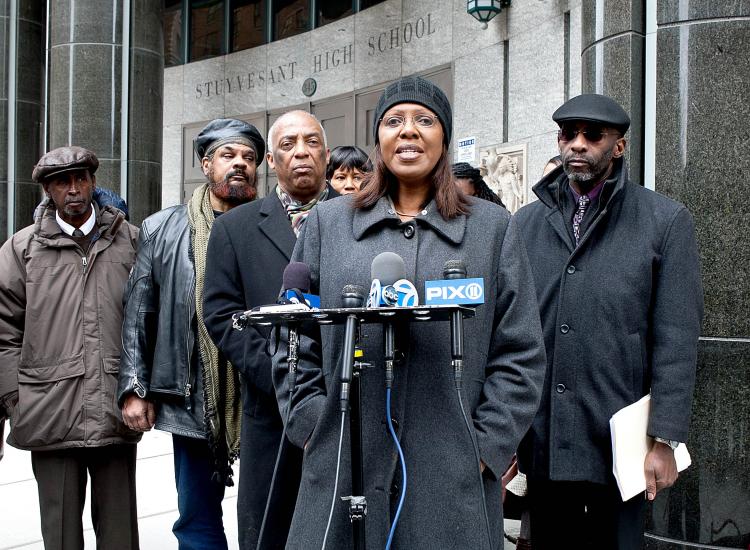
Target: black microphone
(353, 296)
(295, 283)
(456, 269)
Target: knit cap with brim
(415, 89)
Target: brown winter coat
(60, 323)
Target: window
(290, 17)
(363, 4)
(331, 10)
(172, 22)
(248, 24)
(206, 28)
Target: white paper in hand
(630, 444)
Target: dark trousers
(577, 514)
(260, 443)
(200, 525)
(61, 479)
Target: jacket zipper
(85, 263)
(140, 391)
(188, 385)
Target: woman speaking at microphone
(411, 206)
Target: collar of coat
(48, 232)
(382, 213)
(550, 186)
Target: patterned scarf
(297, 211)
(221, 386)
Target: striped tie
(583, 204)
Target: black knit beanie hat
(415, 89)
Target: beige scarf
(221, 386)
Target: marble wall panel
(478, 93)
(146, 89)
(535, 81)
(426, 35)
(171, 165)
(574, 63)
(96, 100)
(246, 70)
(28, 196)
(146, 27)
(528, 16)
(3, 211)
(709, 504)
(59, 96)
(3, 55)
(285, 71)
(541, 148)
(331, 59)
(144, 188)
(616, 17)
(671, 11)
(108, 174)
(173, 98)
(701, 139)
(464, 25)
(3, 141)
(376, 57)
(90, 21)
(30, 61)
(622, 79)
(203, 90)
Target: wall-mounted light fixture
(484, 10)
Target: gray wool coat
(621, 315)
(504, 370)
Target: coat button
(564, 329)
(571, 269)
(409, 231)
(560, 388)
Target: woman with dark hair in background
(469, 180)
(457, 427)
(347, 168)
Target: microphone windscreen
(454, 269)
(388, 267)
(296, 275)
(353, 296)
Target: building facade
(136, 79)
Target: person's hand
(138, 414)
(660, 468)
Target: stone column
(612, 63)
(702, 160)
(85, 91)
(29, 107)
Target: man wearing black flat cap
(62, 282)
(172, 376)
(619, 289)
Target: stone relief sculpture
(501, 172)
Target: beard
(233, 192)
(593, 174)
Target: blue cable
(403, 468)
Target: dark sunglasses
(592, 134)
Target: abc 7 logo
(408, 293)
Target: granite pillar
(85, 92)
(29, 108)
(702, 108)
(612, 63)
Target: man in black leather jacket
(172, 377)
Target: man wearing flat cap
(248, 252)
(619, 289)
(62, 282)
(172, 376)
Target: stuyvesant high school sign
(320, 61)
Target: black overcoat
(248, 250)
(504, 369)
(621, 315)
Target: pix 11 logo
(465, 292)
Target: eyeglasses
(394, 122)
(592, 134)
